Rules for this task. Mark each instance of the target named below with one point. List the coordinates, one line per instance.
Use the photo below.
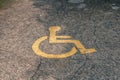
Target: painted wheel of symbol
(36, 49)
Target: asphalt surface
(95, 26)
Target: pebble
(81, 6)
(115, 7)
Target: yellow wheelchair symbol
(57, 39)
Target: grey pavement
(95, 26)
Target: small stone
(76, 1)
(113, 4)
(86, 9)
(115, 7)
(81, 6)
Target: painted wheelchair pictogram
(60, 39)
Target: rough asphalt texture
(26, 21)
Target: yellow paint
(57, 39)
